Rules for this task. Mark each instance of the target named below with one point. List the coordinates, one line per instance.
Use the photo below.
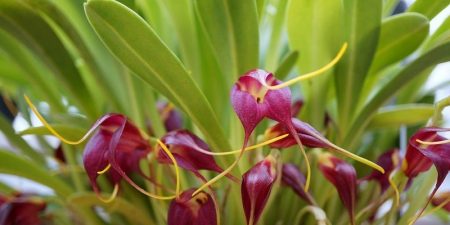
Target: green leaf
(232, 29)
(362, 23)
(127, 209)
(37, 35)
(314, 29)
(286, 65)
(18, 142)
(274, 27)
(153, 62)
(67, 131)
(440, 36)
(429, 8)
(435, 56)
(12, 164)
(400, 36)
(395, 116)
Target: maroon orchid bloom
(256, 187)
(426, 147)
(171, 117)
(20, 210)
(390, 161)
(199, 209)
(98, 155)
(191, 153)
(442, 200)
(343, 176)
(116, 148)
(296, 107)
(258, 95)
(292, 177)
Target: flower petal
(292, 176)
(192, 210)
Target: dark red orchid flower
(59, 154)
(306, 133)
(292, 177)
(256, 187)
(296, 107)
(425, 148)
(171, 117)
(442, 200)
(192, 210)
(257, 95)
(191, 153)
(343, 176)
(20, 210)
(390, 161)
(130, 148)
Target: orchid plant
(208, 112)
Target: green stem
(439, 106)
(69, 154)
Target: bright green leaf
(11, 163)
(400, 36)
(429, 8)
(395, 116)
(153, 62)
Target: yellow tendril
(175, 164)
(50, 128)
(311, 74)
(431, 211)
(433, 142)
(249, 148)
(112, 197)
(104, 170)
(396, 191)
(349, 154)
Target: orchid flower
(258, 95)
(256, 186)
(191, 153)
(116, 147)
(426, 147)
(343, 176)
(20, 210)
(199, 209)
(292, 176)
(390, 161)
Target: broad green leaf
(429, 8)
(400, 36)
(232, 29)
(440, 36)
(17, 141)
(181, 13)
(67, 131)
(11, 163)
(314, 30)
(32, 70)
(286, 65)
(38, 36)
(94, 71)
(395, 116)
(362, 26)
(274, 27)
(153, 62)
(119, 205)
(433, 57)
(389, 7)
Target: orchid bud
(343, 176)
(256, 187)
(171, 117)
(20, 210)
(442, 200)
(296, 107)
(190, 151)
(130, 149)
(192, 210)
(389, 160)
(291, 176)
